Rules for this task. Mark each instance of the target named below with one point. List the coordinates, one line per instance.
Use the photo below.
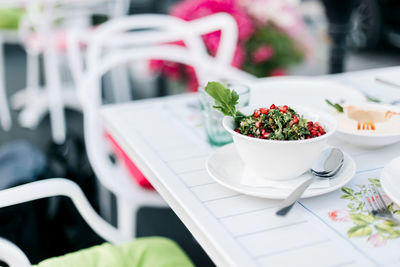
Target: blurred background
(276, 37)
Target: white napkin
(251, 179)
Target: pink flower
(278, 72)
(285, 15)
(190, 10)
(377, 240)
(339, 215)
(261, 54)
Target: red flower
(261, 54)
(339, 215)
(190, 10)
(278, 72)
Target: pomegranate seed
(262, 131)
(284, 109)
(237, 130)
(250, 135)
(264, 111)
(313, 133)
(295, 120)
(266, 135)
(256, 113)
(258, 124)
(308, 137)
(261, 137)
(272, 106)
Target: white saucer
(227, 168)
(390, 180)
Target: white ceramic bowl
(282, 160)
(370, 139)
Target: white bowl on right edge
(370, 139)
(279, 159)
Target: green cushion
(143, 252)
(10, 17)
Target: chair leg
(32, 74)
(54, 94)
(126, 217)
(5, 116)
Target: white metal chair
(11, 254)
(113, 44)
(5, 117)
(42, 16)
(6, 36)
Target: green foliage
(362, 219)
(375, 182)
(348, 190)
(359, 230)
(364, 223)
(285, 51)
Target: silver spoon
(328, 164)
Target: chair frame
(109, 46)
(11, 254)
(33, 101)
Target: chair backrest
(154, 29)
(11, 254)
(43, 16)
(114, 43)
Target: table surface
(165, 138)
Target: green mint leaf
(225, 99)
(338, 107)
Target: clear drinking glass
(212, 118)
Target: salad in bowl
(277, 142)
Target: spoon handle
(288, 203)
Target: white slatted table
(164, 138)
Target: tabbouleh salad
(279, 123)
(273, 123)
